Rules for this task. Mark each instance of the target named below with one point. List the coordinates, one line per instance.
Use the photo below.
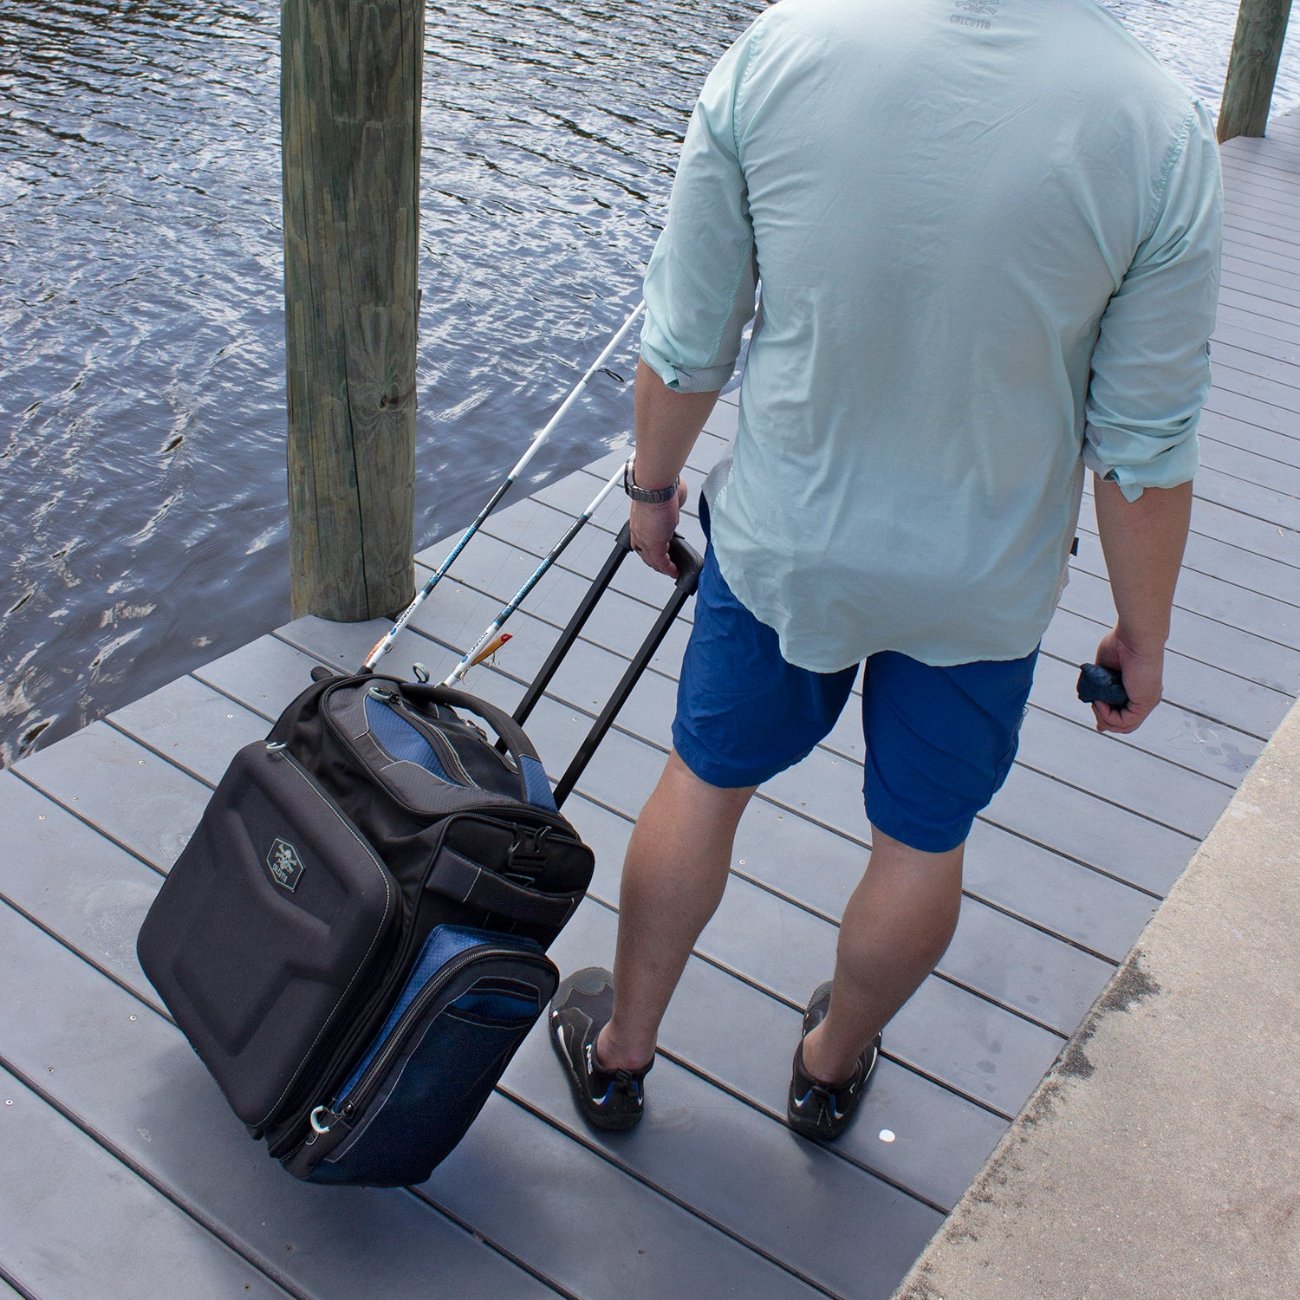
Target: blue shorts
(939, 741)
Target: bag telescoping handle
(532, 774)
(688, 563)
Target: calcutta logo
(285, 865)
(976, 13)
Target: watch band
(648, 496)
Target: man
(986, 234)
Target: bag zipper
(322, 1118)
(439, 743)
(421, 724)
(516, 802)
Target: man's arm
(699, 293)
(1150, 376)
(1143, 543)
(667, 425)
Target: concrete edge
(1132, 1165)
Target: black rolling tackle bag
(354, 939)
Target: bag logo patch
(285, 865)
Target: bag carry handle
(533, 785)
(456, 877)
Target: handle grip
(682, 554)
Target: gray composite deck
(125, 1174)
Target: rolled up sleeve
(1151, 364)
(700, 283)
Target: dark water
(142, 493)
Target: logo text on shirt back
(975, 13)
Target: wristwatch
(649, 496)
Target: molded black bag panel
(261, 936)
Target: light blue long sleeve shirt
(987, 238)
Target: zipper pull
(322, 1120)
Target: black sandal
(823, 1110)
(612, 1100)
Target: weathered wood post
(1252, 68)
(350, 102)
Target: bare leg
(673, 878)
(896, 926)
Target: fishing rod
(491, 640)
(385, 643)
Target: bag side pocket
(469, 1003)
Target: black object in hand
(1101, 685)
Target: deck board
(97, 1218)
(698, 1255)
(1219, 695)
(1240, 350)
(126, 1145)
(1268, 338)
(350, 638)
(1176, 733)
(134, 1082)
(1224, 601)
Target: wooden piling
(1252, 67)
(350, 103)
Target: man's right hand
(652, 528)
(1142, 673)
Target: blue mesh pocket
(403, 740)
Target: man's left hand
(1141, 673)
